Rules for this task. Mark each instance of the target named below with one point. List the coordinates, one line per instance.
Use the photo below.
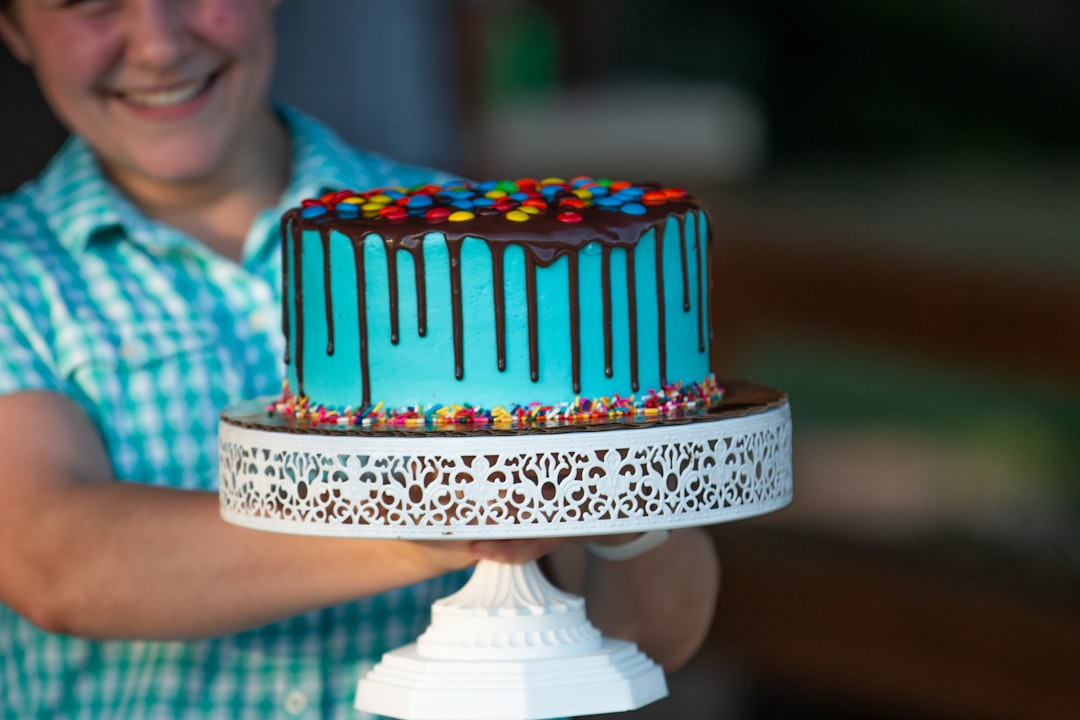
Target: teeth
(164, 98)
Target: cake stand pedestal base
(510, 646)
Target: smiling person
(139, 282)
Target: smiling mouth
(169, 97)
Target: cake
(497, 301)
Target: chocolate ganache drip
(562, 224)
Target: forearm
(117, 559)
(663, 600)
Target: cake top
(493, 205)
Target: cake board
(509, 645)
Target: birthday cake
(496, 302)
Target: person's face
(161, 89)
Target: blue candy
(313, 211)
(608, 203)
(633, 208)
(419, 201)
(483, 202)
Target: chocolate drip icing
(543, 239)
(605, 291)
(454, 246)
(498, 283)
(681, 220)
(631, 309)
(534, 330)
(324, 236)
(661, 319)
(575, 321)
(285, 285)
(700, 309)
(298, 298)
(361, 315)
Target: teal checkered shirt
(153, 334)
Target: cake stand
(509, 645)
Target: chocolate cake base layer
(741, 398)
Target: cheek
(71, 59)
(243, 27)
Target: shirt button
(295, 702)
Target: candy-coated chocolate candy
(529, 209)
(487, 211)
(519, 196)
(608, 203)
(517, 216)
(534, 202)
(631, 193)
(654, 198)
(504, 205)
(618, 185)
(526, 184)
(372, 206)
(580, 180)
(460, 216)
(552, 181)
(495, 194)
(310, 202)
(507, 186)
(355, 200)
(574, 202)
(583, 194)
(462, 204)
(393, 193)
(344, 209)
(483, 202)
(674, 193)
(419, 201)
(313, 211)
(392, 211)
(486, 186)
(633, 208)
(569, 216)
(437, 214)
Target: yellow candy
(460, 216)
(552, 181)
(354, 200)
(372, 206)
(583, 194)
(380, 198)
(529, 209)
(517, 216)
(495, 194)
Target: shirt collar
(79, 203)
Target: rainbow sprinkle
(671, 400)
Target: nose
(157, 32)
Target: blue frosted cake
(500, 301)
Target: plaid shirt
(153, 334)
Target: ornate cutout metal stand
(508, 645)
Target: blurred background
(895, 193)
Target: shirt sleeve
(24, 354)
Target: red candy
(437, 215)
(311, 202)
(572, 202)
(654, 198)
(393, 212)
(674, 193)
(536, 203)
(569, 216)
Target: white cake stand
(508, 645)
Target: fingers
(514, 551)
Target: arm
(84, 554)
(663, 600)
